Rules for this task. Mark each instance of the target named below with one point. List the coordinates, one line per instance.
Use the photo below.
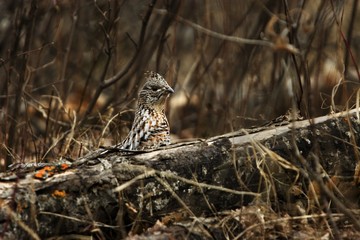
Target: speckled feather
(150, 128)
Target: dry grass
(71, 70)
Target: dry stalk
(14, 217)
(270, 222)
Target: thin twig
(110, 81)
(216, 34)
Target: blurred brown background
(70, 70)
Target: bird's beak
(170, 90)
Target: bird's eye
(154, 88)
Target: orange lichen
(49, 168)
(59, 194)
(64, 166)
(41, 174)
(45, 172)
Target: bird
(150, 128)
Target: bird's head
(155, 90)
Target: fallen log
(111, 193)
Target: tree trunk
(112, 193)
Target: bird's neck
(152, 107)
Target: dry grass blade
(14, 217)
(97, 224)
(164, 174)
(270, 222)
(147, 173)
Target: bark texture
(112, 193)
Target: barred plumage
(150, 128)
